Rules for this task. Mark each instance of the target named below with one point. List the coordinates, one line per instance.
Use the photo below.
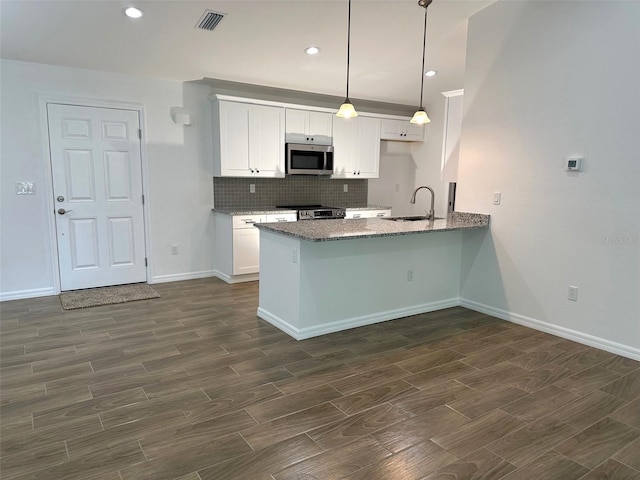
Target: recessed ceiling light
(312, 50)
(430, 73)
(132, 12)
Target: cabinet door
(266, 140)
(234, 139)
(368, 147)
(413, 132)
(296, 125)
(246, 251)
(320, 127)
(401, 130)
(391, 130)
(345, 131)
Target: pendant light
(420, 117)
(346, 109)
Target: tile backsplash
(292, 190)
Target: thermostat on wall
(573, 163)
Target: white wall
(545, 80)
(179, 172)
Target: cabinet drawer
(379, 213)
(246, 221)
(281, 217)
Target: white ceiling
(259, 42)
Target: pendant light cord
(424, 47)
(349, 45)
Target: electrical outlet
(174, 249)
(294, 255)
(573, 293)
(345, 187)
(252, 188)
(397, 187)
(497, 197)
(410, 275)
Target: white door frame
(43, 101)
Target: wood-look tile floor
(193, 386)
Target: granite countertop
(271, 209)
(368, 207)
(253, 210)
(329, 230)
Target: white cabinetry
(402, 130)
(307, 126)
(367, 213)
(246, 244)
(280, 217)
(451, 140)
(237, 244)
(248, 139)
(357, 147)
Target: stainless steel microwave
(308, 159)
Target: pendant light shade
(347, 109)
(421, 117)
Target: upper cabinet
(356, 143)
(307, 126)
(402, 130)
(248, 139)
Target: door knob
(62, 211)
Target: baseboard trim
(576, 336)
(178, 277)
(250, 277)
(33, 293)
(348, 323)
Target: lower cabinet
(367, 213)
(237, 244)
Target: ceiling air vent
(209, 20)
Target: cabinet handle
(381, 215)
(257, 171)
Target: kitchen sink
(415, 218)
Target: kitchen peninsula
(318, 277)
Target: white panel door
(234, 139)
(97, 185)
(368, 147)
(266, 140)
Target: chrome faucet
(432, 213)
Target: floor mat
(94, 297)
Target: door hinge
(140, 134)
(143, 199)
(146, 263)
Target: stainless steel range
(315, 212)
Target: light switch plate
(25, 188)
(497, 197)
